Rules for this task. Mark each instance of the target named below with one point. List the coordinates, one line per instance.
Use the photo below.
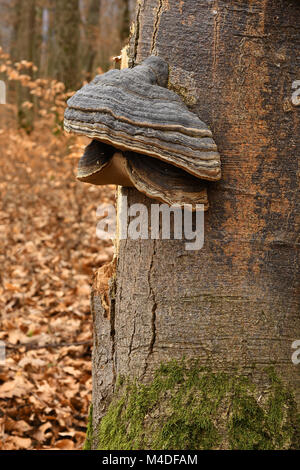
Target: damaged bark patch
(104, 370)
(105, 287)
(102, 285)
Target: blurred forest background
(48, 243)
(69, 41)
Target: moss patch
(187, 407)
(89, 432)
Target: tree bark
(66, 43)
(235, 303)
(25, 46)
(91, 38)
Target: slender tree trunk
(66, 42)
(91, 38)
(132, 8)
(234, 304)
(25, 47)
(114, 29)
(124, 20)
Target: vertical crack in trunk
(104, 286)
(131, 339)
(137, 34)
(134, 39)
(112, 295)
(153, 327)
(153, 312)
(156, 25)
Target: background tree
(92, 35)
(67, 41)
(25, 46)
(233, 305)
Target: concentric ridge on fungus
(132, 111)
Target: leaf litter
(48, 252)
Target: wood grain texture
(235, 303)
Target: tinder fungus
(143, 135)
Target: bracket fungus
(143, 135)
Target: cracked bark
(156, 25)
(235, 303)
(135, 36)
(153, 312)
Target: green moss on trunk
(89, 432)
(187, 407)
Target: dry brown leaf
(21, 442)
(15, 388)
(73, 371)
(41, 434)
(65, 444)
(69, 433)
(20, 427)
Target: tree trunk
(113, 30)
(66, 43)
(25, 47)
(91, 39)
(233, 305)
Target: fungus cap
(132, 110)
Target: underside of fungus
(143, 135)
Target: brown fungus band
(143, 135)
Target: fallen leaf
(41, 434)
(65, 444)
(22, 442)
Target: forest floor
(48, 252)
